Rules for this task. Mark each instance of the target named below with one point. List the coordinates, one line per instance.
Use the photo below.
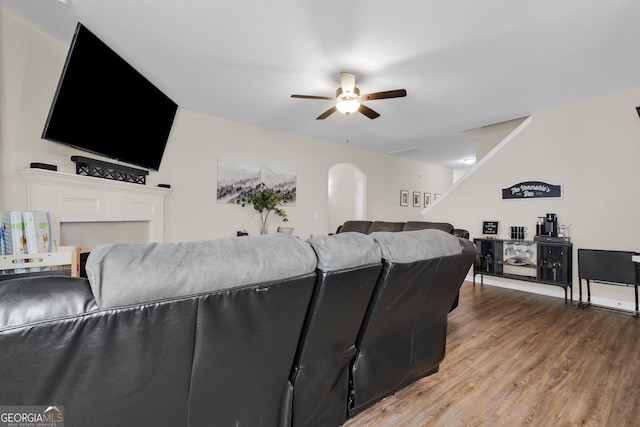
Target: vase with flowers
(266, 200)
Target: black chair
(343, 288)
(403, 336)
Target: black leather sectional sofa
(248, 331)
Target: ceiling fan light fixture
(348, 98)
(347, 106)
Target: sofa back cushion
(426, 225)
(385, 226)
(411, 246)
(345, 250)
(358, 226)
(123, 274)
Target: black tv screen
(104, 106)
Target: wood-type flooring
(520, 359)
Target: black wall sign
(532, 190)
(490, 228)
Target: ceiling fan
(348, 98)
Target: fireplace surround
(77, 200)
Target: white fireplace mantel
(78, 198)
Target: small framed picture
(427, 199)
(404, 198)
(416, 199)
(436, 196)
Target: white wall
(343, 180)
(31, 63)
(592, 148)
(197, 140)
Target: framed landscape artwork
(237, 178)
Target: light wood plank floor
(520, 359)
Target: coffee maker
(550, 225)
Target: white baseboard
(553, 291)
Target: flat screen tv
(104, 106)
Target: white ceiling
(464, 63)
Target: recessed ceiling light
(469, 161)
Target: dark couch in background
(368, 227)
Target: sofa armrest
(38, 298)
(344, 251)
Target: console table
(546, 262)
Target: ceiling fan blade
(327, 113)
(368, 112)
(314, 97)
(398, 93)
(348, 83)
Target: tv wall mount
(99, 169)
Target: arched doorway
(347, 194)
